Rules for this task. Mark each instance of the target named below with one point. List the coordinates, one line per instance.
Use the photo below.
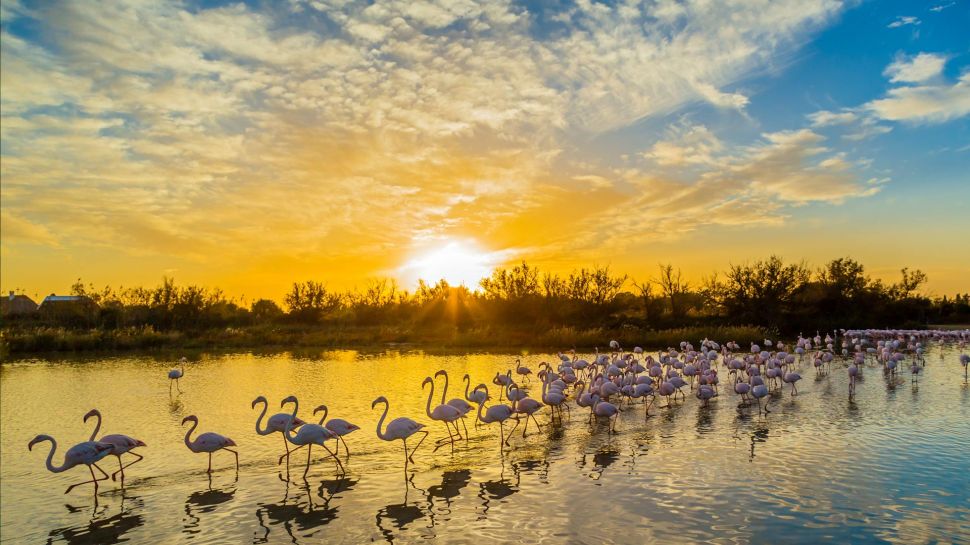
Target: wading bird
(122, 444)
(309, 435)
(176, 374)
(87, 453)
(208, 442)
(399, 428)
(275, 424)
(338, 426)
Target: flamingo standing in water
(444, 413)
(522, 370)
(338, 426)
(176, 374)
(399, 428)
(309, 435)
(276, 423)
(457, 402)
(496, 413)
(208, 442)
(87, 453)
(121, 444)
(792, 378)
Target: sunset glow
(458, 262)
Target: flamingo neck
(188, 442)
(427, 409)
(264, 431)
(288, 430)
(50, 456)
(97, 427)
(445, 391)
(468, 382)
(326, 411)
(481, 405)
(380, 422)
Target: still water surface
(892, 466)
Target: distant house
(75, 309)
(17, 305)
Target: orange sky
(250, 147)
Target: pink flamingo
(208, 442)
(399, 428)
(309, 435)
(176, 374)
(276, 423)
(458, 403)
(87, 453)
(496, 413)
(338, 426)
(121, 443)
(446, 414)
(528, 407)
(792, 378)
(609, 410)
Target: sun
(460, 262)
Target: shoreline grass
(41, 340)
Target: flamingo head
(38, 439)
(259, 400)
(190, 418)
(442, 372)
(427, 380)
(290, 399)
(140, 443)
(381, 399)
(229, 442)
(92, 412)
(321, 408)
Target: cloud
(246, 132)
(915, 69)
(941, 7)
(924, 103)
(825, 118)
(904, 20)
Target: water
(890, 467)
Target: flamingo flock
(609, 384)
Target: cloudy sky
(249, 145)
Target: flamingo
(338, 426)
(308, 435)
(458, 403)
(479, 394)
(496, 413)
(760, 391)
(502, 380)
(609, 410)
(446, 414)
(399, 428)
(528, 407)
(276, 423)
(522, 370)
(208, 442)
(176, 374)
(121, 443)
(87, 453)
(792, 378)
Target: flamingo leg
(129, 464)
(465, 426)
(346, 448)
(406, 458)
(210, 464)
(423, 437)
(93, 479)
(526, 428)
(536, 421)
(177, 386)
(513, 430)
(340, 466)
(236, 454)
(309, 449)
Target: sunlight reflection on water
(890, 466)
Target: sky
(251, 145)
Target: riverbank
(21, 342)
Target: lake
(890, 466)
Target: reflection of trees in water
(399, 514)
(100, 528)
(302, 517)
(203, 501)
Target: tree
(674, 288)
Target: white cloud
(941, 7)
(915, 69)
(924, 103)
(904, 20)
(825, 118)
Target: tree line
(780, 296)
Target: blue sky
(251, 145)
